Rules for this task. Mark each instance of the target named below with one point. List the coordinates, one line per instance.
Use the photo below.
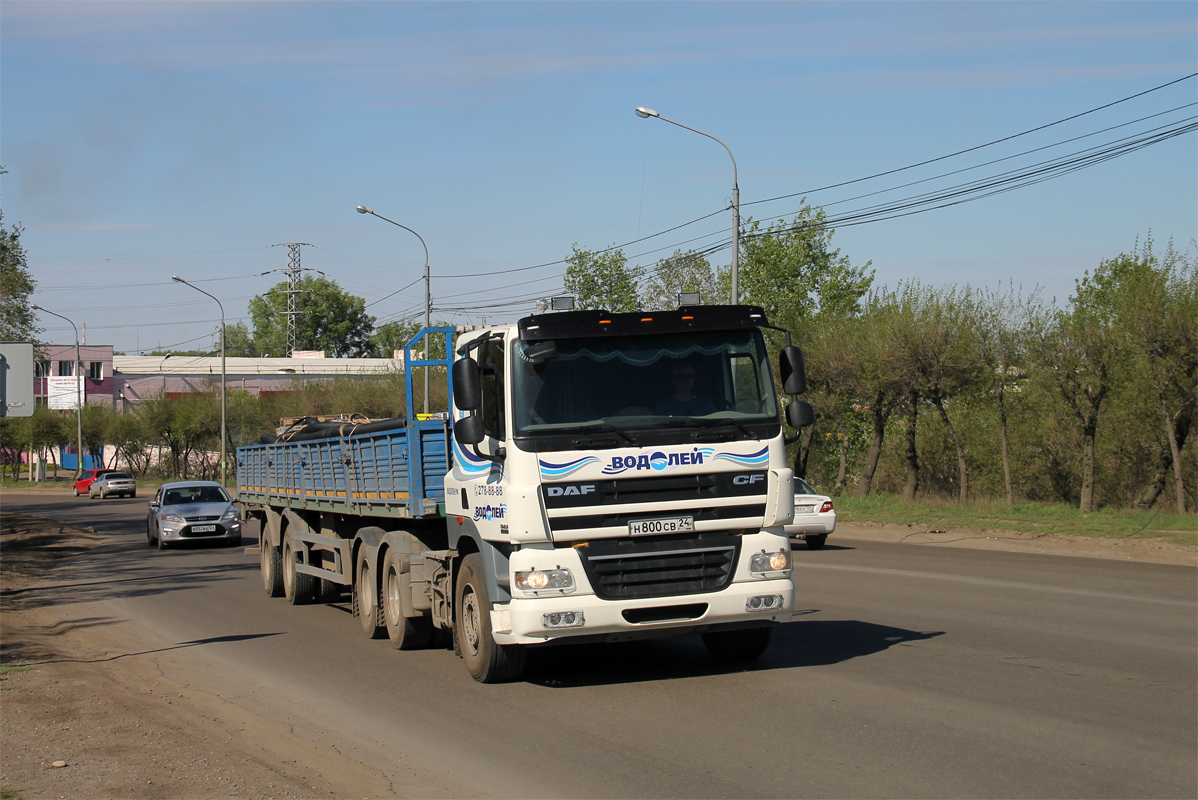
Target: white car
(815, 516)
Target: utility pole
(292, 272)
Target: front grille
(202, 519)
(732, 495)
(626, 569)
(621, 520)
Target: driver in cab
(682, 400)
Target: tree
(1007, 322)
(792, 271)
(239, 343)
(328, 319)
(1082, 351)
(601, 279)
(17, 320)
(1155, 300)
(681, 272)
(392, 336)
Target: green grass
(939, 513)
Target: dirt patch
(82, 718)
(1138, 549)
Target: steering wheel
(718, 403)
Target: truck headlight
(764, 562)
(557, 581)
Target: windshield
(684, 380)
(194, 494)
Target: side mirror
(468, 430)
(467, 387)
(792, 370)
(799, 414)
(154, 504)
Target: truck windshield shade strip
(568, 324)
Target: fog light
(555, 581)
(770, 562)
(764, 602)
(563, 619)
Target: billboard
(62, 393)
(16, 379)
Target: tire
(75, 490)
(405, 633)
(235, 541)
(158, 540)
(133, 494)
(817, 542)
(270, 561)
(298, 588)
(149, 534)
(738, 645)
(328, 591)
(367, 592)
(487, 661)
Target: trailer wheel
(368, 599)
(738, 645)
(298, 588)
(486, 660)
(405, 633)
(271, 562)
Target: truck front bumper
(540, 620)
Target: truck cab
(619, 476)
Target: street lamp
(78, 396)
(427, 289)
(645, 113)
(223, 435)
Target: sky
(146, 140)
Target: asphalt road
(912, 672)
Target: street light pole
(428, 298)
(223, 434)
(645, 113)
(78, 396)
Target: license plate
(640, 527)
(804, 509)
(203, 529)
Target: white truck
(575, 490)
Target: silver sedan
(815, 516)
(110, 483)
(192, 511)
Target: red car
(89, 476)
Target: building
(124, 381)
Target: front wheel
(76, 491)
(405, 633)
(738, 645)
(817, 542)
(486, 660)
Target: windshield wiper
(707, 422)
(605, 426)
